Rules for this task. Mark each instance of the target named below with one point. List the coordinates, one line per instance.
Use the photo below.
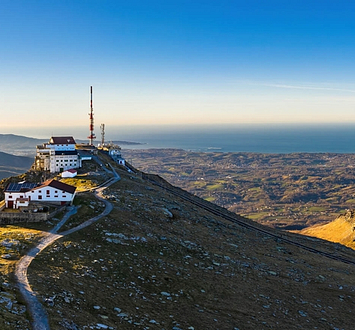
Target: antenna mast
(92, 136)
(102, 127)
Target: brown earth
(158, 262)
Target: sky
(161, 62)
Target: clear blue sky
(176, 62)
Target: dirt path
(35, 308)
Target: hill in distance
(19, 145)
(26, 146)
(341, 230)
(13, 165)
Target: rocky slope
(159, 262)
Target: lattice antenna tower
(92, 136)
(102, 127)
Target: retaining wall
(11, 218)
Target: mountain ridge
(13, 165)
(158, 261)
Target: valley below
(287, 191)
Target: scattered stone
(6, 256)
(302, 313)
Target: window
(39, 196)
(56, 196)
(10, 197)
(48, 192)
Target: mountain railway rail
(223, 213)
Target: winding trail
(35, 308)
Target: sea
(286, 138)
(250, 138)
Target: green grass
(214, 186)
(210, 199)
(257, 216)
(317, 209)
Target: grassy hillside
(341, 230)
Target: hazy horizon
(135, 132)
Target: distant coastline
(261, 139)
(325, 138)
(129, 143)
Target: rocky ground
(157, 262)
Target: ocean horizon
(261, 139)
(337, 138)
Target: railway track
(216, 210)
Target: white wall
(43, 194)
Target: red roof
(62, 140)
(58, 185)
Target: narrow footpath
(35, 308)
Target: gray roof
(20, 187)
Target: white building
(71, 173)
(116, 156)
(114, 151)
(58, 155)
(51, 191)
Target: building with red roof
(50, 191)
(58, 155)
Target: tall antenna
(102, 127)
(92, 136)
